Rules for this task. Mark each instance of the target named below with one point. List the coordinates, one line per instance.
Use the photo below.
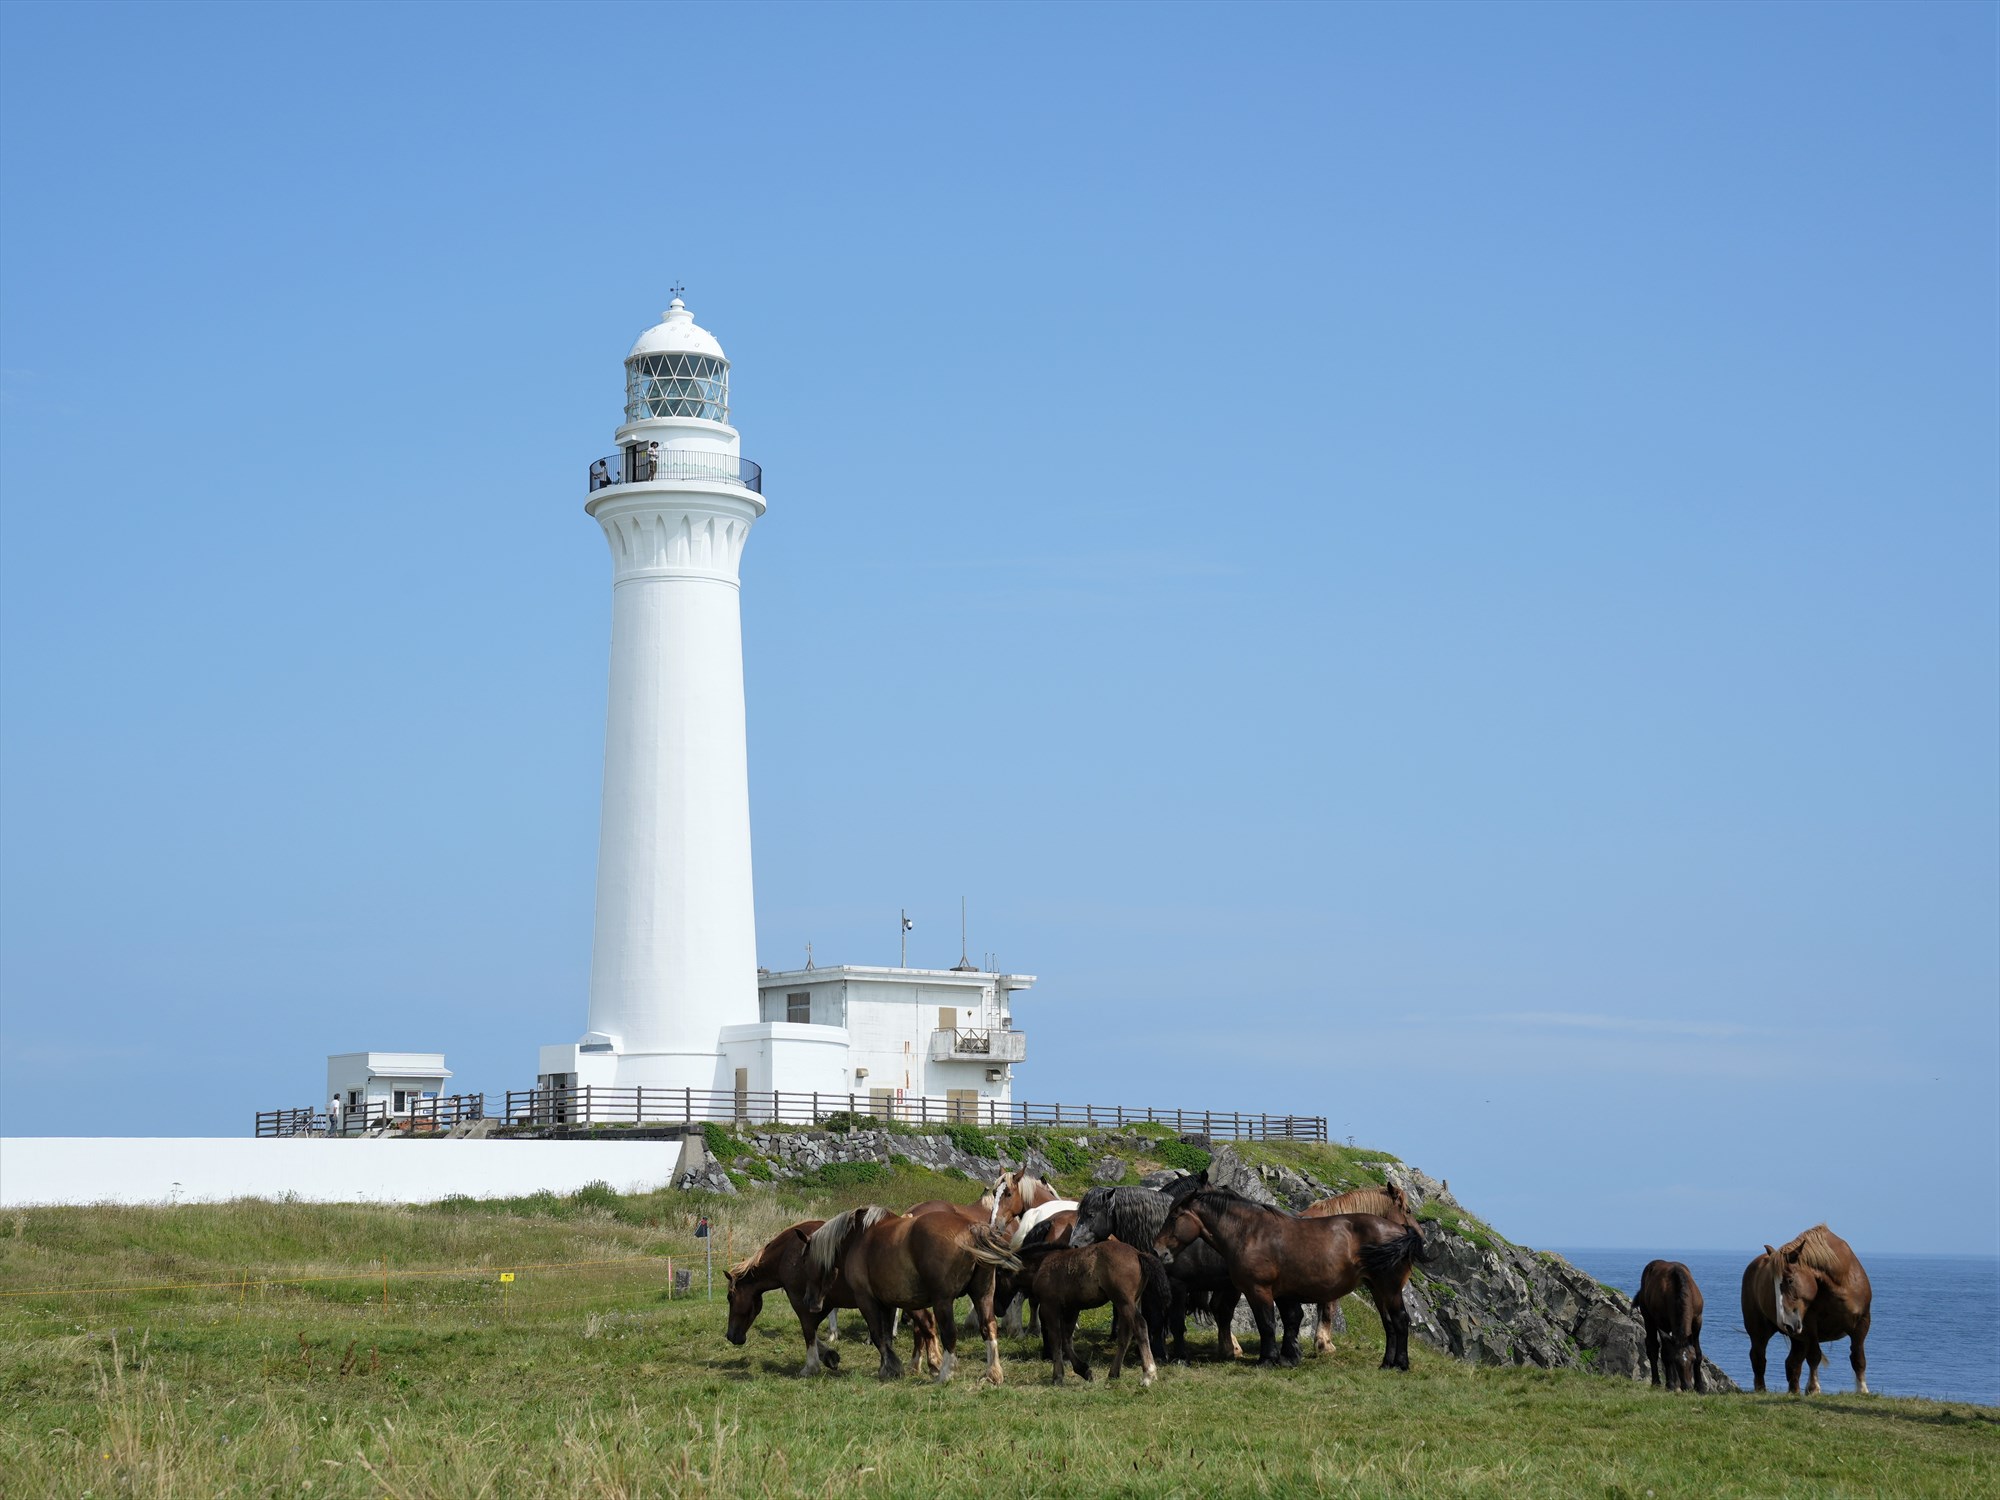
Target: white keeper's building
(677, 1001)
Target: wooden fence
(594, 1105)
(423, 1117)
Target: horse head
(1004, 1188)
(744, 1303)
(1680, 1355)
(1796, 1284)
(1185, 1224)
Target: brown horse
(1813, 1290)
(1273, 1256)
(1046, 1228)
(909, 1261)
(1064, 1282)
(1385, 1202)
(1014, 1193)
(782, 1266)
(1670, 1304)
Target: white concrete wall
(794, 1059)
(890, 1027)
(90, 1169)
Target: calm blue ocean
(1936, 1330)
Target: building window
(798, 1007)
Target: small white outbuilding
(394, 1080)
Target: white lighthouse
(682, 1022)
(674, 959)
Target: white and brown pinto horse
(1020, 1201)
(893, 1261)
(1813, 1290)
(1014, 1193)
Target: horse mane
(823, 1249)
(768, 1249)
(1223, 1198)
(1383, 1201)
(1132, 1214)
(1815, 1248)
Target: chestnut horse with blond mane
(782, 1266)
(909, 1261)
(1813, 1290)
(1385, 1202)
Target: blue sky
(1435, 566)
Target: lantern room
(677, 369)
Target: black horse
(1198, 1278)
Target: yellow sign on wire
(506, 1276)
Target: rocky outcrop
(1478, 1297)
(795, 1153)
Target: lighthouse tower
(674, 959)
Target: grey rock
(1227, 1169)
(1161, 1178)
(1108, 1170)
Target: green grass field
(283, 1373)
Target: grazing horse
(1273, 1256)
(1064, 1281)
(782, 1266)
(1670, 1303)
(1814, 1290)
(1197, 1274)
(1385, 1202)
(909, 1261)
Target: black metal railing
(674, 464)
(421, 1118)
(592, 1104)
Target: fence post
(1266, 1127)
(815, 1114)
(1058, 1116)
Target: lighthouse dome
(677, 369)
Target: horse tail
(989, 1248)
(1391, 1259)
(1155, 1298)
(1678, 1311)
(1429, 1248)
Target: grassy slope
(588, 1381)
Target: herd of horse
(1157, 1255)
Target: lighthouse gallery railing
(672, 464)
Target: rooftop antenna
(809, 955)
(907, 925)
(964, 965)
(678, 291)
